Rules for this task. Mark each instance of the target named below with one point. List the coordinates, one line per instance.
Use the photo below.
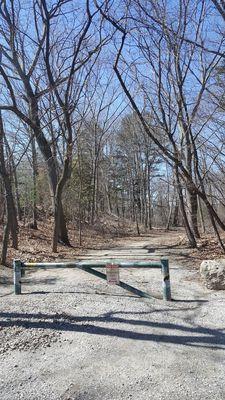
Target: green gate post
(17, 269)
(22, 269)
(166, 280)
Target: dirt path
(70, 336)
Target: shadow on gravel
(130, 296)
(195, 336)
(79, 292)
(6, 281)
(43, 281)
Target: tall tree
(11, 225)
(174, 65)
(36, 63)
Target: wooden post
(17, 267)
(166, 280)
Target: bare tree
(47, 67)
(11, 226)
(174, 65)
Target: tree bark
(192, 204)
(201, 215)
(5, 240)
(176, 213)
(170, 214)
(51, 163)
(11, 215)
(35, 173)
(190, 234)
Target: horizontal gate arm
(95, 264)
(50, 265)
(124, 285)
(121, 263)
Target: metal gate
(19, 268)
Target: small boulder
(213, 274)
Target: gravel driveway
(71, 336)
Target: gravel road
(71, 336)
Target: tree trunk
(35, 173)
(201, 215)
(63, 231)
(14, 174)
(192, 204)
(170, 214)
(53, 179)
(5, 241)
(149, 208)
(55, 236)
(11, 223)
(59, 235)
(18, 207)
(108, 199)
(176, 213)
(190, 234)
(136, 218)
(52, 166)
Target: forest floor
(70, 336)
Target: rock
(213, 274)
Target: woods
(112, 109)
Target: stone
(213, 274)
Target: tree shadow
(197, 301)
(185, 335)
(6, 281)
(81, 292)
(7, 294)
(38, 281)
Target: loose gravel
(70, 336)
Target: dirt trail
(70, 336)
